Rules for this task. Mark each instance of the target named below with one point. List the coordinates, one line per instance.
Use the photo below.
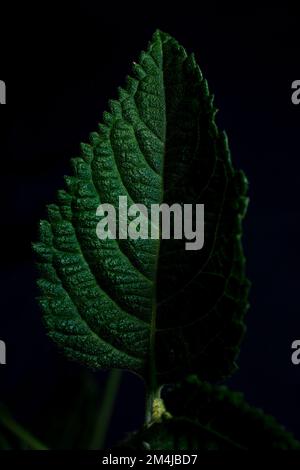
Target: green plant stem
(151, 395)
(152, 389)
(17, 430)
(106, 409)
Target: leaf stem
(106, 409)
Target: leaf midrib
(152, 369)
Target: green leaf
(174, 434)
(226, 414)
(149, 305)
(208, 417)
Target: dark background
(60, 67)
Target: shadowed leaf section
(149, 305)
(208, 417)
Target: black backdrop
(61, 65)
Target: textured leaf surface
(144, 304)
(207, 417)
